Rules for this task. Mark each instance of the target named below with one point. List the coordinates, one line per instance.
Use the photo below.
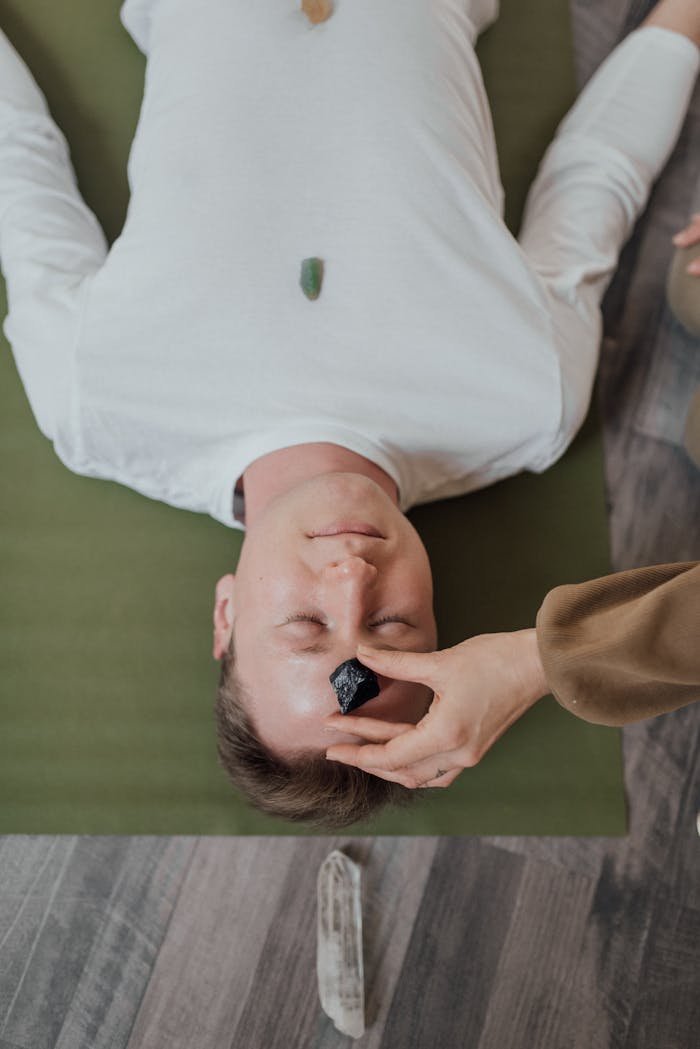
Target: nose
(350, 570)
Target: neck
(276, 473)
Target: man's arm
(49, 239)
(593, 183)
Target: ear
(223, 615)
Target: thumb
(403, 666)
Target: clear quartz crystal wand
(339, 947)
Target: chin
(350, 495)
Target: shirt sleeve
(624, 647)
(50, 241)
(592, 184)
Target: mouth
(347, 528)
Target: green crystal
(311, 277)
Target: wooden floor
(486, 943)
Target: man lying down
(315, 319)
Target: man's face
(302, 602)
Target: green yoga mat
(106, 678)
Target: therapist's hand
(480, 688)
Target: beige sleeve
(624, 647)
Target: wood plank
(662, 757)
(648, 367)
(660, 481)
(674, 745)
(596, 28)
(667, 1006)
(455, 949)
(81, 923)
(238, 964)
(648, 372)
(546, 991)
(205, 968)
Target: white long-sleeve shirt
(440, 348)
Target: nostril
(351, 571)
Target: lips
(348, 527)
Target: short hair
(307, 789)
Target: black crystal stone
(354, 684)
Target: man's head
(299, 604)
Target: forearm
(596, 176)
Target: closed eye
(305, 617)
